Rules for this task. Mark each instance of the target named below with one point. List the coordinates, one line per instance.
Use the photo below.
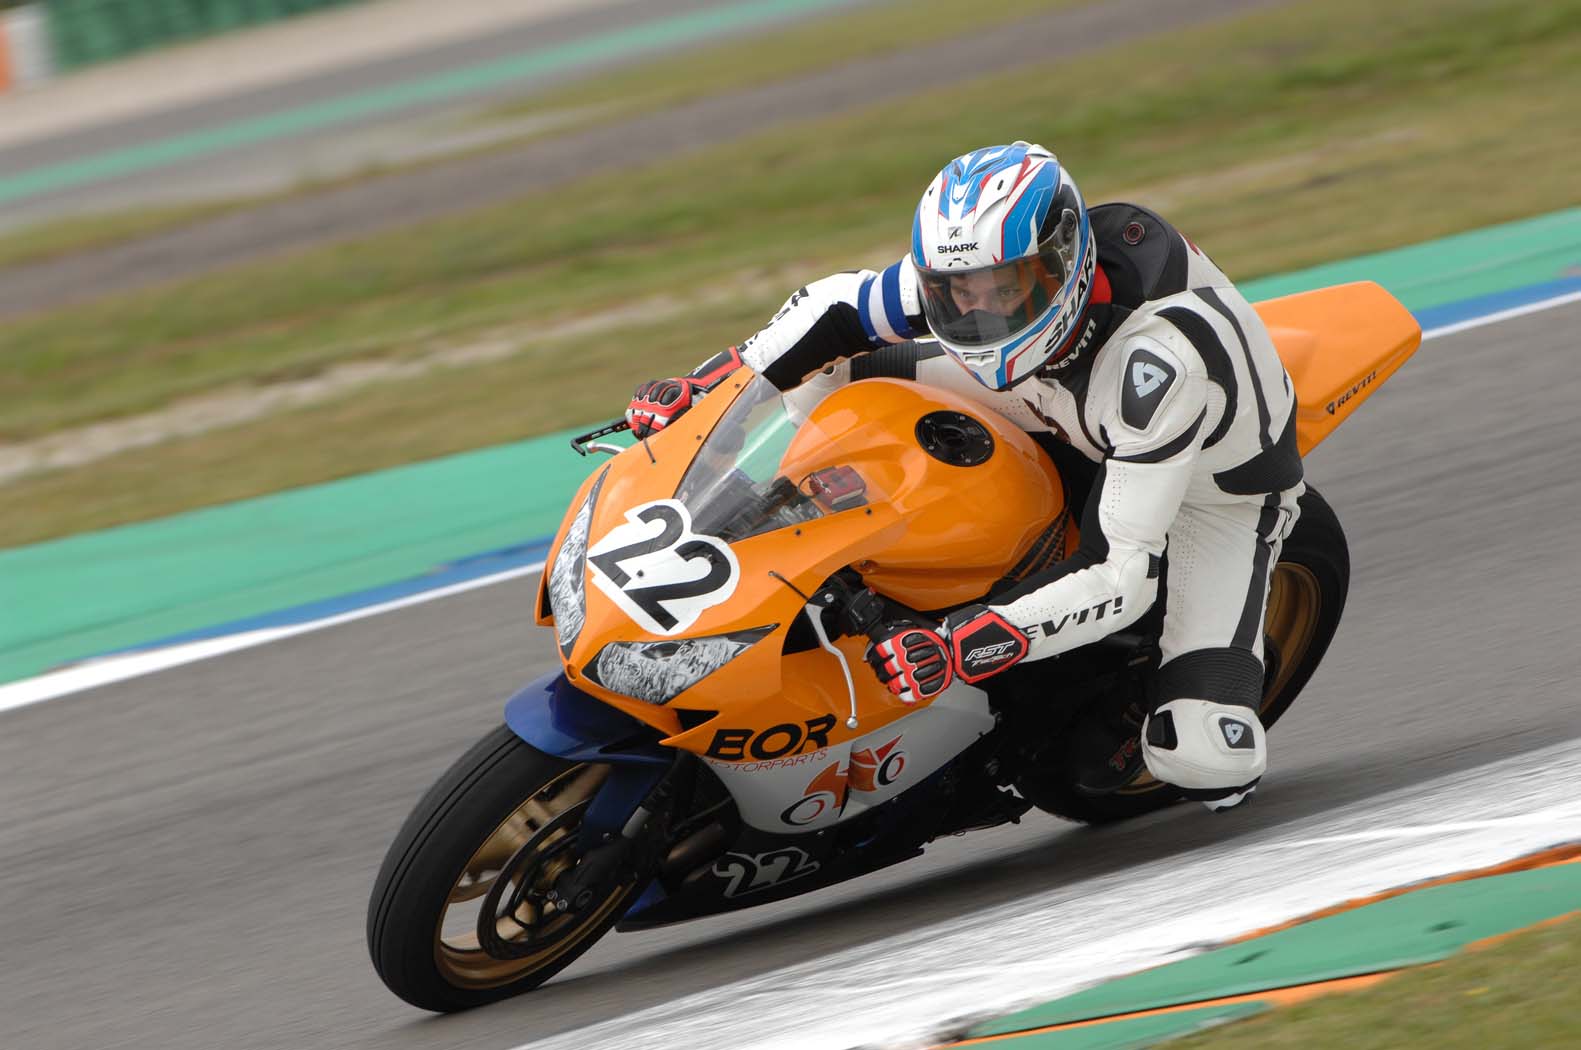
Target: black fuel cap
(954, 438)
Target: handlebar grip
(864, 613)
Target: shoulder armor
(1143, 256)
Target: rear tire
(1306, 597)
(500, 798)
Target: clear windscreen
(739, 485)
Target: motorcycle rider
(1112, 332)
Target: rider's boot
(1106, 747)
(1215, 753)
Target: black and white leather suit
(1179, 397)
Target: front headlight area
(568, 574)
(658, 672)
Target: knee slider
(1205, 748)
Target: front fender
(557, 718)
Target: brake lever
(858, 610)
(823, 599)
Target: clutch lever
(585, 443)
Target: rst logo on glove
(983, 642)
(661, 573)
(986, 654)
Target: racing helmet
(1005, 259)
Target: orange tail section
(1339, 344)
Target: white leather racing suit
(1180, 397)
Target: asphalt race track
(187, 856)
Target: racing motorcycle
(714, 739)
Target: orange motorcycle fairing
(928, 534)
(966, 526)
(1339, 344)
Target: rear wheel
(1306, 596)
(464, 910)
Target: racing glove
(913, 661)
(659, 402)
(916, 662)
(983, 643)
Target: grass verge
(1303, 133)
(49, 240)
(792, 51)
(1517, 993)
(780, 53)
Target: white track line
(109, 670)
(1502, 315)
(1054, 942)
(112, 669)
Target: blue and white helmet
(1005, 258)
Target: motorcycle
(714, 739)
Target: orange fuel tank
(975, 492)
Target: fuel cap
(954, 438)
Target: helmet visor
(991, 304)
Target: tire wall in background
(83, 32)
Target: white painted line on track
(119, 668)
(112, 669)
(1502, 315)
(904, 991)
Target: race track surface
(187, 856)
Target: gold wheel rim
(457, 951)
(1295, 603)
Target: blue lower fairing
(557, 718)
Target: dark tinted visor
(990, 304)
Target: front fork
(626, 821)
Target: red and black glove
(911, 660)
(982, 643)
(917, 662)
(660, 402)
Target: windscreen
(736, 487)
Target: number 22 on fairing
(658, 571)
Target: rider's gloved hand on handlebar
(659, 402)
(917, 662)
(912, 660)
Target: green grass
(1519, 994)
(796, 50)
(781, 53)
(59, 237)
(1301, 134)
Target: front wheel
(1306, 595)
(463, 911)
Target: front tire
(1306, 597)
(494, 831)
